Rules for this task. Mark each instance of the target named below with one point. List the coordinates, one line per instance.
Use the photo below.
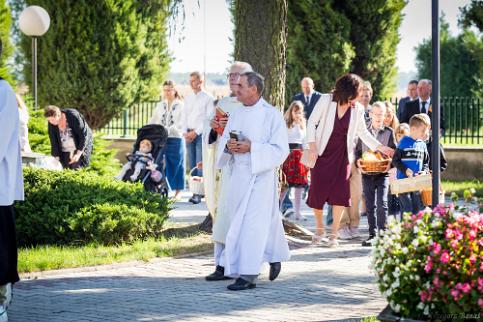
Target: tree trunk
(261, 40)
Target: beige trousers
(351, 215)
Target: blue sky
(205, 39)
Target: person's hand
(75, 158)
(386, 150)
(409, 173)
(231, 145)
(313, 152)
(244, 146)
(214, 124)
(199, 165)
(223, 121)
(359, 166)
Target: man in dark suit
(412, 92)
(420, 105)
(309, 96)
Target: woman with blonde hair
(390, 119)
(169, 113)
(295, 172)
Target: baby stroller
(158, 136)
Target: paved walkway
(318, 284)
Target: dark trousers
(375, 189)
(8, 246)
(410, 202)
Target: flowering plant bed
(429, 266)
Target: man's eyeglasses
(230, 75)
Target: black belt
(296, 146)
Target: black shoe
(368, 241)
(195, 199)
(274, 270)
(218, 275)
(240, 285)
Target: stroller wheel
(164, 192)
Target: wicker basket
(417, 183)
(374, 166)
(427, 197)
(196, 184)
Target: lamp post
(34, 22)
(436, 118)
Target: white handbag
(306, 159)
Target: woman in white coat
(335, 122)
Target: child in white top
(295, 172)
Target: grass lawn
(460, 186)
(43, 258)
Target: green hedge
(80, 207)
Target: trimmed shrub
(79, 207)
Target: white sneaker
(319, 239)
(345, 234)
(331, 243)
(354, 231)
(3, 314)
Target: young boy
(376, 184)
(411, 158)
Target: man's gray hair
(255, 79)
(242, 66)
(425, 81)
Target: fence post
(125, 117)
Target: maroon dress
(330, 176)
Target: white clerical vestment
(215, 180)
(256, 233)
(11, 177)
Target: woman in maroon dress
(332, 128)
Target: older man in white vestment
(11, 189)
(215, 180)
(256, 233)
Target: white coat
(321, 124)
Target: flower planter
(388, 315)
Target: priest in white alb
(253, 145)
(215, 180)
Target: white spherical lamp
(34, 21)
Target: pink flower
(449, 233)
(445, 257)
(428, 266)
(436, 282)
(465, 288)
(455, 293)
(457, 234)
(472, 234)
(480, 302)
(480, 284)
(436, 248)
(424, 296)
(454, 244)
(473, 259)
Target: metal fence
(463, 120)
(463, 117)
